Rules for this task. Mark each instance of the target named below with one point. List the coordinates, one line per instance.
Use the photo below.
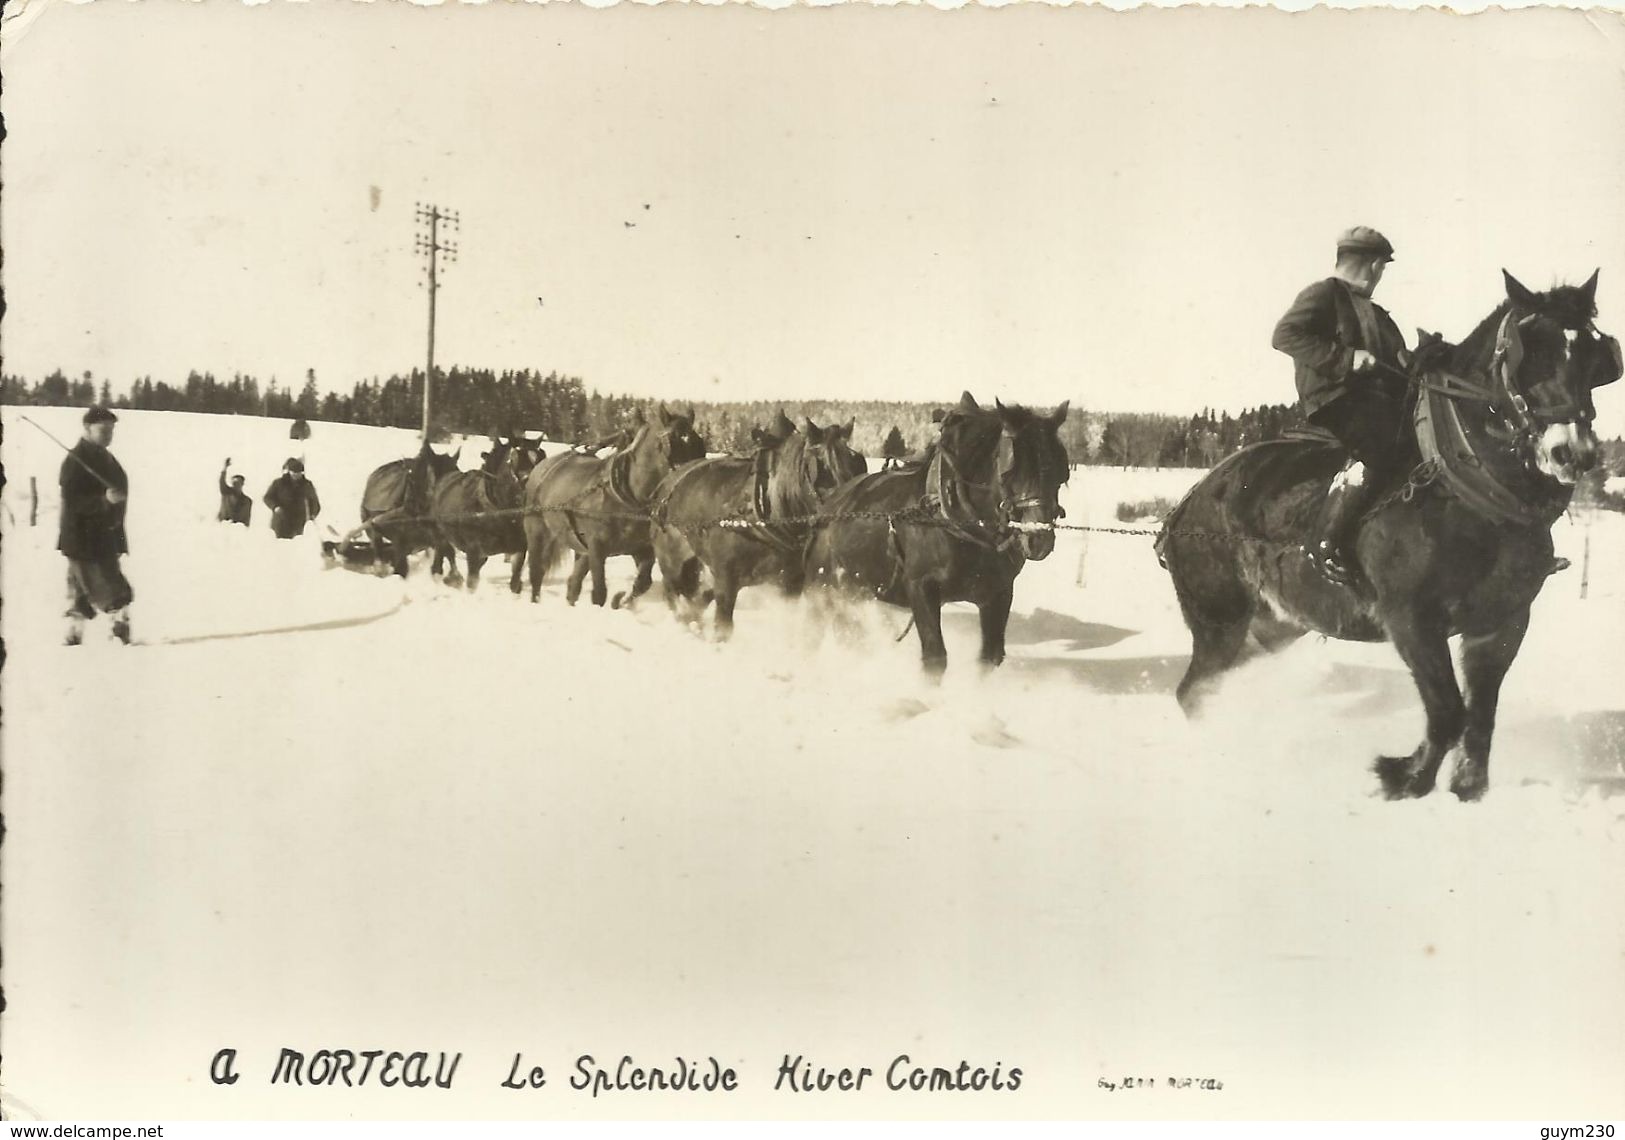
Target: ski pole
(99, 476)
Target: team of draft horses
(1454, 542)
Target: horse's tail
(544, 548)
(687, 583)
(547, 548)
(680, 565)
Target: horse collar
(943, 495)
(619, 479)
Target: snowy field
(476, 825)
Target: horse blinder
(1510, 356)
(1609, 365)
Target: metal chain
(913, 515)
(1424, 474)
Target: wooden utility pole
(437, 229)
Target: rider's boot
(1350, 495)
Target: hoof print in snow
(991, 734)
(906, 709)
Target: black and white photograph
(679, 562)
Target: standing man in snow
(292, 499)
(235, 505)
(94, 494)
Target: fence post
(1585, 559)
(33, 501)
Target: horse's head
(441, 465)
(673, 433)
(1548, 356)
(497, 458)
(1028, 463)
(1032, 466)
(830, 458)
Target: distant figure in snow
(299, 430)
(235, 505)
(292, 499)
(933, 437)
(893, 449)
(94, 494)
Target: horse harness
(1449, 455)
(946, 499)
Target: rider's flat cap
(100, 415)
(1364, 239)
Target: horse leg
(600, 587)
(679, 579)
(726, 586)
(995, 618)
(535, 540)
(578, 574)
(925, 599)
(445, 565)
(1219, 606)
(1485, 660)
(1214, 649)
(387, 550)
(476, 559)
(514, 577)
(646, 572)
(1424, 646)
(645, 559)
(792, 578)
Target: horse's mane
(987, 425)
(1478, 346)
(423, 470)
(980, 437)
(1569, 305)
(790, 487)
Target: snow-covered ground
(476, 825)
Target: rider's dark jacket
(1320, 333)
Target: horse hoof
(616, 602)
(1469, 790)
(1398, 777)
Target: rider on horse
(1350, 369)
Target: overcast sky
(1043, 204)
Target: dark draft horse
(478, 512)
(770, 496)
(599, 508)
(957, 526)
(395, 506)
(1436, 561)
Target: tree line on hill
(487, 402)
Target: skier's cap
(100, 415)
(294, 465)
